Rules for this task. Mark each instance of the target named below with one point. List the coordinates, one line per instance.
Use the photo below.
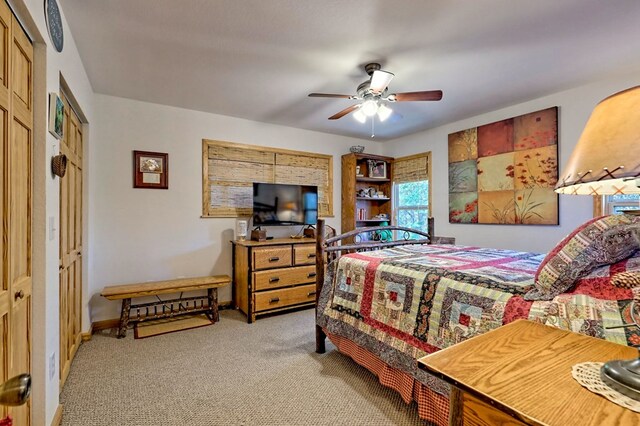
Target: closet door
(16, 108)
(70, 241)
(6, 298)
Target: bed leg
(320, 230)
(320, 340)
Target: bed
(387, 303)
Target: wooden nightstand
(521, 374)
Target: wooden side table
(521, 374)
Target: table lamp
(606, 161)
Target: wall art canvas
(56, 115)
(505, 172)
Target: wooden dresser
(274, 275)
(520, 374)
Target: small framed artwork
(377, 169)
(150, 170)
(56, 115)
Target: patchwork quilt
(405, 302)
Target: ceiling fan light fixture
(359, 116)
(384, 112)
(369, 108)
(380, 80)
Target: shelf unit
(353, 201)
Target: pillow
(600, 241)
(626, 279)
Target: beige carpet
(231, 373)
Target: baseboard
(104, 324)
(57, 417)
(115, 322)
(87, 336)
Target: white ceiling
(258, 59)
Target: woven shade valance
(230, 169)
(412, 169)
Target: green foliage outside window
(413, 204)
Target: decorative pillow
(601, 241)
(626, 279)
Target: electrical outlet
(52, 366)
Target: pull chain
(373, 120)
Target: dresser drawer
(304, 254)
(271, 257)
(283, 277)
(273, 299)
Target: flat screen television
(279, 204)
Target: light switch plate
(52, 227)
(52, 366)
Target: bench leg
(124, 318)
(212, 295)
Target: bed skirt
(432, 406)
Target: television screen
(278, 204)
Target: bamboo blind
(413, 168)
(229, 170)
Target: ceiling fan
(373, 96)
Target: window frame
(606, 206)
(395, 208)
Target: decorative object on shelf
(359, 172)
(357, 149)
(362, 214)
(382, 216)
(56, 115)
(241, 230)
(59, 165)
(606, 161)
(150, 170)
(380, 194)
(377, 169)
(505, 172)
(54, 24)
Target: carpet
(142, 330)
(231, 373)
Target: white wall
(151, 234)
(575, 106)
(49, 67)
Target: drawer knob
(311, 293)
(274, 279)
(274, 300)
(311, 274)
(274, 259)
(19, 294)
(311, 255)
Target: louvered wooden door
(70, 241)
(16, 123)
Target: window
(617, 204)
(412, 191)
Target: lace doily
(588, 375)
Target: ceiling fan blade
(428, 95)
(344, 112)
(380, 80)
(328, 95)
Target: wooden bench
(169, 308)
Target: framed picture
(56, 115)
(150, 170)
(377, 169)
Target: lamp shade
(606, 159)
